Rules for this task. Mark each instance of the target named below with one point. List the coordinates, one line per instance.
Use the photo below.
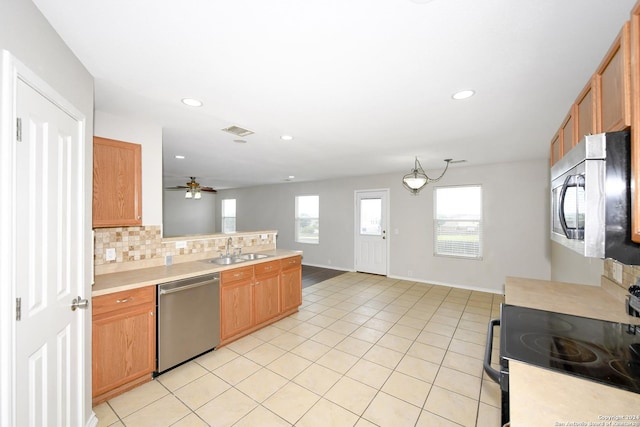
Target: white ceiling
(362, 85)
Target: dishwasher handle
(186, 287)
(494, 374)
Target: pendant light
(415, 180)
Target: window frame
(297, 219)
(223, 217)
(478, 256)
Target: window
(229, 215)
(458, 221)
(308, 219)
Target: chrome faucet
(228, 245)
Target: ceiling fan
(193, 189)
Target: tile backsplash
(630, 273)
(140, 247)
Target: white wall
(570, 266)
(516, 238)
(188, 216)
(26, 34)
(150, 137)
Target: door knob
(79, 303)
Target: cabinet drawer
(236, 274)
(124, 299)
(292, 262)
(267, 268)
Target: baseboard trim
(330, 267)
(450, 285)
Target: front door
(49, 262)
(371, 231)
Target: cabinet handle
(269, 267)
(237, 275)
(151, 313)
(118, 301)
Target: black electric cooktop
(592, 349)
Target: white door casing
(46, 255)
(371, 237)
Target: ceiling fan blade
(177, 187)
(208, 189)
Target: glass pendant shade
(198, 195)
(417, 179)
(188, 195)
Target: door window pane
(307, 219)
(458, 221)
(371, 217)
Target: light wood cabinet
(604, 105)
(256, 296)
(117, 183)
(635, 122)
(291, 279)
(556, 148)
(567, 133)
(236, 301)
(586, 112)
(613, 84)
(123, 341)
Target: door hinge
(18, 309)
(19, 129)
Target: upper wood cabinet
(568, 133)
(117, 183)
(586, 112)
(604, 105)
(613, 85)
(635, 122)
(556, 148)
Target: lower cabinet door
(291, 288)
(266, 293)
(123, 347)
(236, 302)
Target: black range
(592, 349)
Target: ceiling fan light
(197, 196)
(188, 195)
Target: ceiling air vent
(238, 131)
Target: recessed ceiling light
(291, 176)
(179, 157)
(463, 94)
(286, 137)
(240, 141)
(191, 102)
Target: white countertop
(540, 397)
(126, 280)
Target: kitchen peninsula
(258, 285)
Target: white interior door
(371, 231)
(49, 258)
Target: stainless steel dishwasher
(188, 319)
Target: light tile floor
(363, 350)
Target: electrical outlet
(110, 254)
(617, 272)
(181, 244)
